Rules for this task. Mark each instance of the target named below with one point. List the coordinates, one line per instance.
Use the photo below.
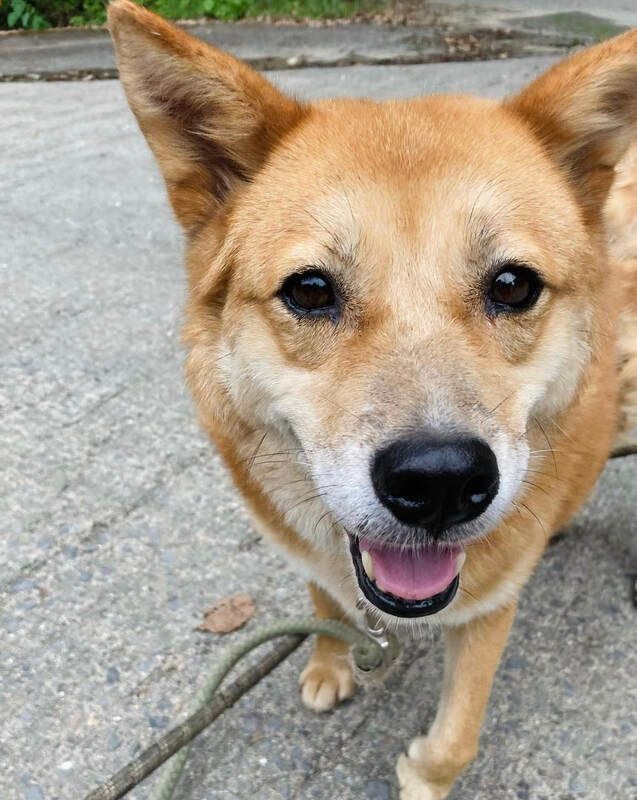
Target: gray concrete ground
(451, 30)
(622, 12)
(119, 526)
(260, 44)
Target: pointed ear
(209, 119)
(584, 111)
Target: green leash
(370, 651)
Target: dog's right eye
(309, 293)
(514, 288)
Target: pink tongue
(412, 574)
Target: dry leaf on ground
(229, 614)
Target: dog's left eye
(309, 293)
(513, 288)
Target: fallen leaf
(229, 614)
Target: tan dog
(402, 334)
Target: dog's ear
(584, 111)
(209, 119)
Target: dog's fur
(410, 204)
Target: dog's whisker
(570, 452)
(536, 486)
(556, 424)
(255, 459)
(282, 487)
(347, 411)
(309, 499)
(548, 441)
(271, 462)
(501, 403)
(539, 521)
(256, 451)
(540, 472)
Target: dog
(402, 335)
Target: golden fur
(408, 203)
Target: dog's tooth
(368, 564)
(462, 557)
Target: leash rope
(370, 651)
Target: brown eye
(309, 294)
(514, 288)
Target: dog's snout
(434, 482)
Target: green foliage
(21, 14)
(90, 12)
(37, 14)
(192, 9)
(319, 9)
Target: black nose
(435, 482)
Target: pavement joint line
(275, 64)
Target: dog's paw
(414, 785)
(326, 682)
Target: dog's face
(397, 293)
(401, 305)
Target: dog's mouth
(414, 582)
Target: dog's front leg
(327, 679)
(472, 654)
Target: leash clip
(386, 641)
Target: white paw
(324, 684)
(413, 785)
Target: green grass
(39, 14)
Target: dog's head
(397, 292)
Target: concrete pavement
(449, 31)
(119, 526)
